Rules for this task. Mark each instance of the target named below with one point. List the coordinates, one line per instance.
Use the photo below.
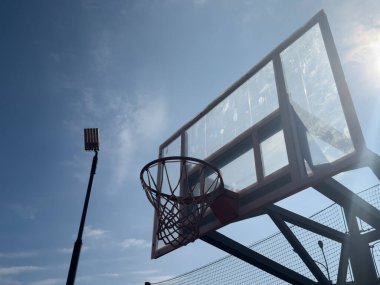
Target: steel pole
(78, 242)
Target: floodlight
(91, 139)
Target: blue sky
(137, 70)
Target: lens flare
(364, 48)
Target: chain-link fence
(231, 270)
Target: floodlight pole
(78, 243)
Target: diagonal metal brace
(343, 196)
(307, 224)
(248, 255)
(299, 249)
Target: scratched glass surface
(255, 99)
(315, 99)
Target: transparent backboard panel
(240, 172)
(251, 102)
(314, 97)
(173, 149)
(273, 153)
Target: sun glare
(371, 43)
(377, 64)
(375, 52)
(364, 48)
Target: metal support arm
(299, 249)
(307, 224)
(248, 255)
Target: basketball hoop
(180, 189)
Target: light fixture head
(91, 139)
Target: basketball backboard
(285, 125)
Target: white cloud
(128, 124)
(137, 126)
(89, 101)
(90, 4)
(24, 211)
(151, 275)
(199, 2)
(356, 30)
(363, 44)
(20, 254)
(50, 281)
(363, 48)
(89, 278)
(132, 242)
(145, 272)
(86, 278)
(149, 117)
(55, 57)
(157, 279)
(90, 232)
(109, 274)
(67, 250)
(9, 282)
(14, 270)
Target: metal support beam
(248, 255)
(307, 224)
(343, 264)
(357, 245)
(299, 249)
(360, 254)
(372, 160)
(343, 196)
